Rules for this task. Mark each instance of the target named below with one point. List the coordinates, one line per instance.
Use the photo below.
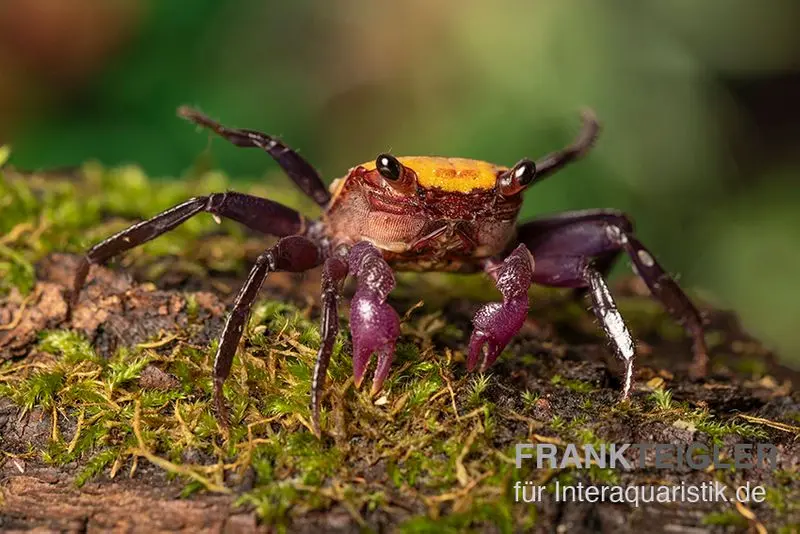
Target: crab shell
(442, 214)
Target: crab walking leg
(254, 212)
(603, 263)
(334, 272)
(497, 322)
(672, 297)
(555, 161)
(566, 245)
(613, 324)
(294, 254)
(374, 324)
(298, 169)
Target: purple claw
(385, 357)
(497, 322)
(375, 327)
(374, 324)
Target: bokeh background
(699, 102)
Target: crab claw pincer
(497, 322)
(374, 324)
(375, 327)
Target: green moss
(272, 503)
(95, 466)
(578, 386)
(728, 518)
(662, 398)
(476, 519)
(754, 367)
(558, 423)
(15, 271)
(70, 346)
(716, 430)
(477, 386)
(40, 390)
(784, 497)
(422, 390)
(530, 398)
(192, 306)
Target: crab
(420, 214)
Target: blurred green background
(698, 101)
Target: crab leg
(294, 254)
(298, 169)
(605, 309)
(555, 161)
(567, 246)
(254, 212)
(374, 324)
(333, 273)
(497, 322)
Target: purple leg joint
(576, 249)
(497, 322)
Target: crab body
(442, 214)
(420, 214)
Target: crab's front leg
(334, 272)
(292, 254)
(374, 324)
(497, 322)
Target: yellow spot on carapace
(456, 175)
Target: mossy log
(106, 419)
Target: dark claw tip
(357, 381)
(223, 416)
(186, 112)
(193, 115)
(589, 116)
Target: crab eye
(389, 167)
(524, 172)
